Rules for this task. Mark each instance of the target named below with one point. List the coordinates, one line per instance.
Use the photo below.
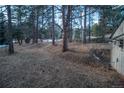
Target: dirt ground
(43, 65)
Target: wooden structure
(117, 53)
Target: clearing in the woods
(44, 65)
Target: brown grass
(43, 65)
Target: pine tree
(10, 38)
(53, 27)
(66, 21)
(2, 28)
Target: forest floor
(44, 65)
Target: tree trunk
(71, 29)
(66, 22)
(20, 39)
(103, 26)
(82, 31)
(85, 9)
(102, 23)
(53, 30)
(70, 24)
(10, 39)
(33, 26)
(37, 23)
(42, 21)
(89, 25)
(65, 45)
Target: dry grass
(81, 56)
(79, 53)
(44, 65)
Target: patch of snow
(47, 40)
(14, 41)
(3, 46)
(50, 40)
